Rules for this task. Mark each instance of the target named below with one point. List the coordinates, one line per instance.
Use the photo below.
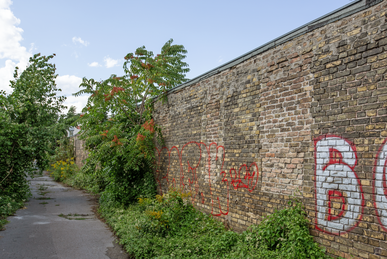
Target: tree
(61, 147)
(27, 117)
(117, 122)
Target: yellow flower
(72, 162)
(159, 198)
(155, 214)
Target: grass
(43, 203)
(42, 187)
(73, 216)
(43, 198)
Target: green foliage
(63, 169)
(117, 125)
(165, 213)
(170, 227)
(62, 147)
(284, 233)
(8, 206)
(86, 181)
(27, 116)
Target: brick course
(307, 115)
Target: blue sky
(90, 38)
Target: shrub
(283, 234)
(8, 206)
(62, 170)
(169, 226)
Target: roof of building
(72, 131)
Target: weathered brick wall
(307, 115)
(79, 150)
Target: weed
(43, 202)
(169, 226)
(73, 216)
(43, 198)
(8, 206)
(42, 187)
(60, 170)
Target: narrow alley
(57, 222)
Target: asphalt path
(57, 222)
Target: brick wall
(80, 152)
(308, 115)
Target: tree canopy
(27, 118)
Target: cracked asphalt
(57, 222)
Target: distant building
(73, 131)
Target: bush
(81, 180)
(170, 227)
(283, 234)
(63, 169)
(8, 206)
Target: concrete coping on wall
(340, 13)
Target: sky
(91, 38)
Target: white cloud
(79, 40)
(79, 102)
(10, 48)
(94, 64)
(69, 85)
(109, 62)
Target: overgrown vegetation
(62, 147)
(120, 135)
(8, 206)
(63, 169)
(28, 119)
(118, 127)
(170, 227)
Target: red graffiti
(188, 170)
(335, 156)
(249, 178)
(379, 185)
(333, 194)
